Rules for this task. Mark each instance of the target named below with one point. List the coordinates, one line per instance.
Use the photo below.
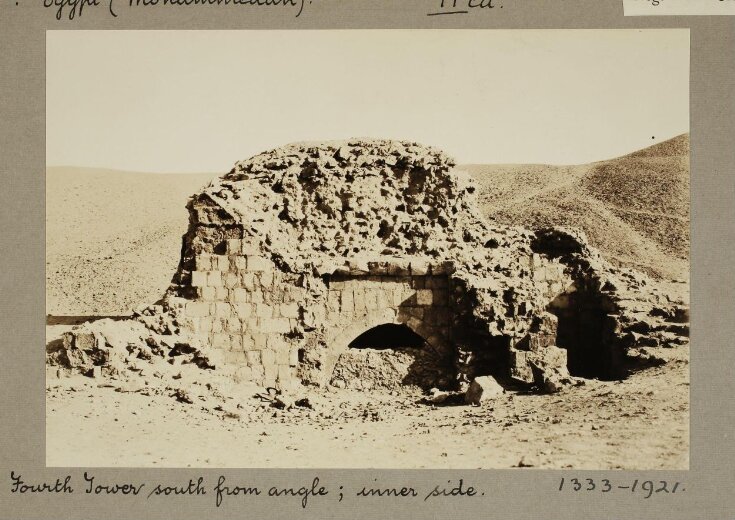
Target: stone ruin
(367, 263)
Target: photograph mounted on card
(368, 249)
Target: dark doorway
(584, 331)
(388, 336)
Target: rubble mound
(298, 251)
(315, 205)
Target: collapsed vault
(298, 251)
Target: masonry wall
(538, 348)
(254, 315)
(357, 303)
(246, 309)
(250, 311)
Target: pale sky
(198, 101)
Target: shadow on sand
(78, 320)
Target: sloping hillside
(112, 238)
(634, 208)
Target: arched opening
(388, 336)
(584, 331)
(390, 356)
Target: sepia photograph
(368, 249)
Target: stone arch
(388, 336)
(431, 365)
(362, 324)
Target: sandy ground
(638, 423)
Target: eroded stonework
(298, 251)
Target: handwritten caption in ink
(451, 7)
(71, 9)
(225, 491)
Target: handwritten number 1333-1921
(647, 488)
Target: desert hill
(634, 208)
(113, 238)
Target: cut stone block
(234, 246)
(203, 262)
(359, 300)
(235, 357)
(250, 249)
(519, 367)
(383, 298)
(222, 309)
(258, 371)
(283, 355)
(221, 340)
(333, 301)
(248, 342)
(437, 282)
(260, 341)
(289, 310)
(268, 358)
(247, 280)
(244, 374)
(482, 389)
(207, 293)
(418, 282)
(419, 267)
(293, 359)
(236, 342)
(424, 297)
(256, 296)
(240, 296)
(371, 298)
(284, 374)
(347, 301)
(231, 280)
(538, 341)
(241, 263)
(259, 263)
(214, 279)
(199, 279)
(266, 280)
(205, 324)
(253, 357)
(242, 310)
(197, 309)
(276, 325)
(234, 325)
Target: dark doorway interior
(584, 332)
(388, 336)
